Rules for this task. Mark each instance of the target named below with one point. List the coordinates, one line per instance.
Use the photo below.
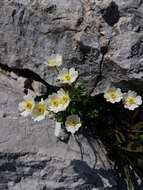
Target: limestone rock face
(32, 158)
(103, 40)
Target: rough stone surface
(103, 39)
(32, 158)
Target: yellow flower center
(28, 104)
(68, 77)
(55, 102)
(65, 98)
(73, 123)
(113, 95)
(40, 109)
(131, 101)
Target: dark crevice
(59, 18)
(21, 15)
(13, 15)
(104, 51)
(28, 84)
(79, 21)
(51, 9)
(27, 73)
(111, 14)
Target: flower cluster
(56, 102)
(130, 99)
(38, 110)
(71, 108)
(60, 104)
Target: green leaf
(73, 110)
(141, 138)
(129, 184)
(93, 114)
(138, 125)
(120, 137)
(128, 179)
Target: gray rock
(33, 31)
(123, 62)
(30, 171)
(30, 32)
(103, 39)
(32, 158)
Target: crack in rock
(27, 73)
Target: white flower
(132, 100)
(64, 99)
(55, 60)
(54, 103)
(113, 95)
(67, 75)
(40, 111)
(57, 129)
(27, 105)
(58, 101)
(72, 123)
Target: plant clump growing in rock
(119, 126)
